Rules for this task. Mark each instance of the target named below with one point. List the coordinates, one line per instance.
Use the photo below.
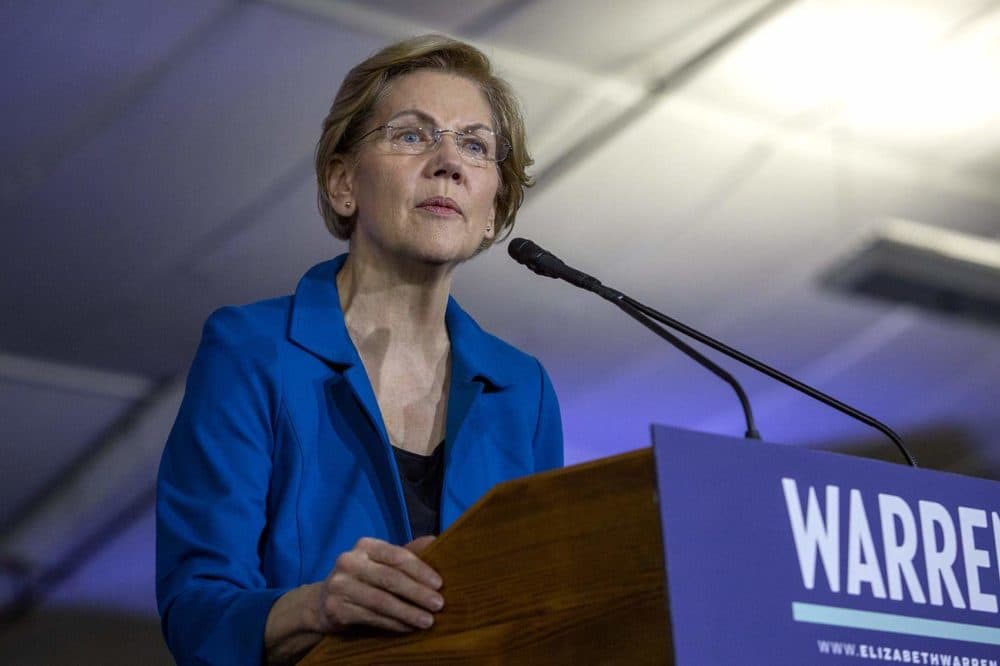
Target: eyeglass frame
(436, 132)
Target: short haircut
(368, 81)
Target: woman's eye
(409, 135)
(476, 147)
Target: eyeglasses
(480, 146)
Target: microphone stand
(545, 263)
(630, 305)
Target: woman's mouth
(443, 206)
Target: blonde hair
(365, 84)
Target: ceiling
(712, 159)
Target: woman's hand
(380, 585)
(375, 583)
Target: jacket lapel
(477, 366)
(477, 369)
(317, 325)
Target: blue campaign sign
(779, 555)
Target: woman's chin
(443, 250)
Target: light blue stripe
(896, 624)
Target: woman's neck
(407, 299)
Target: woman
(325, 437)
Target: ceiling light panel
(914, 74)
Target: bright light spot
(963, 247)
(951, 86)
(815, 54)
(892, 68)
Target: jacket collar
(317, 325)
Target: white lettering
(996, 538)
(899, 553)
(940, 558)
(862, 559)
(975, 559)
(813, 535)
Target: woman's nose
(448, 159)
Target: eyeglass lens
(478, 145)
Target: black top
(422, 477)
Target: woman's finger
(403, 560)
(417, 545)
(401, 584)
(381, 603)
(351, 614)
(362, 615)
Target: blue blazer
(279, 459)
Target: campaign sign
(781, 555)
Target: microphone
(529, 254)
(545, 263)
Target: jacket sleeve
(548, 442)
(211, 503)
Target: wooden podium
(561, 567)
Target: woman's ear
(491, 227)
(340, 186)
